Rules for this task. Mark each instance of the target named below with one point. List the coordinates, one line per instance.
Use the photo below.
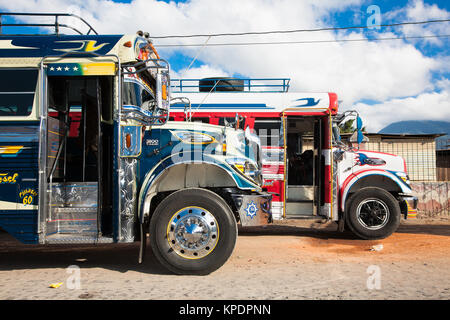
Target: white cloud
(426, 106)
(203, 71)
(385, 71)
(443, 84)
(417, 10)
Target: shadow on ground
(124, 257)
(431, 229)
(325, 231)
(328, 230)
(118, 257)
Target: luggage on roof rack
(221, 84)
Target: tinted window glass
(16, 104)
(13, 80)
(17, 87)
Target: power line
(298, 42)
(299, 30)
(195, 58)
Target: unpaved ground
(289, 260)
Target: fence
(418, 152)
(434, 198)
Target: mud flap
(254, 210)
(143, 243)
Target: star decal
(251, 209)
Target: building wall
(420, 154)
(434, 198)
(429, 175)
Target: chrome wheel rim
(373, 214)
(193, 232)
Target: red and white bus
(306, 167)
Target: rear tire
(193, 231)
(372, 213)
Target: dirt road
(288, 260)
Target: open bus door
(303, 169)
(330, 188)
(76, 131)
(310, 182)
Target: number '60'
(28, 200)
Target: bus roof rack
(57, 25)
(224, 84)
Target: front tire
(193, 231)
(372, 213)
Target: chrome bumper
(254, 210)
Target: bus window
(269, 131)
(135, 95)
(17, 88)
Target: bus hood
(364, 160)
(238, 149)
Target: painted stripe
(8, 205)
(222, 106)
(272, 163)
(354, 177)
(57, 133)
(11, 149)
(56, 220)
(273, 176)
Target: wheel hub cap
(373, 214)
(192, 232)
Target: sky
(385, 81)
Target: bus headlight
(404, 177)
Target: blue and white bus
(87, 154)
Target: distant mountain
(421, 127)
(417, 127)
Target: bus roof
(258, 102)
(29, 48)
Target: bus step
(74, 194)
(299, 209)
(73, 221)
(76, 238)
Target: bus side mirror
(360, 136)
(163, 94)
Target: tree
(347, 126)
